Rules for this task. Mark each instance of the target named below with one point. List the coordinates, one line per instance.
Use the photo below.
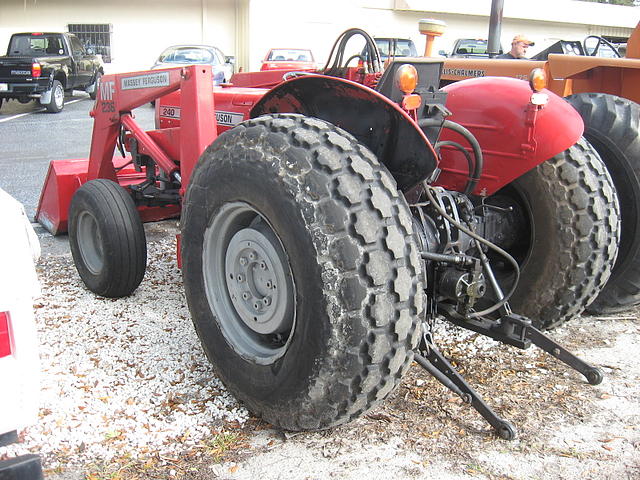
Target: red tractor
(327, 222)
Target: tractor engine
(455, 237)
(460, 279)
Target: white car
(19, 366)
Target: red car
(289, 59)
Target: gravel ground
(128, 393)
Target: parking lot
(128, 393)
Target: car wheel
(56, 104)
(93, 88)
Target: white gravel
(124, 376)
(128, 377)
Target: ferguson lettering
(152, 80)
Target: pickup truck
(469, 48)
(45, 65)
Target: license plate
(4, 87)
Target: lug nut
(263, 266)
(266, 301)
(243, 261)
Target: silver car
(177, 55)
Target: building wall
(544, 21)
(248, 28)
(141, 28)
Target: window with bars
(96, 36)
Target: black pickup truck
(45, 65)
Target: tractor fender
(515, 136)
(373, 119)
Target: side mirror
(442, 53)
(90, 51)
(231, 60)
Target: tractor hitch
(512, 329)
(432, 360)
(517, 330)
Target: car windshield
(290, 55)
(476, 47)
(188, 55)
(398, 47)
(35, 45)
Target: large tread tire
(107, 239)
(612, 126)
(571, 224)
(56, 104)
(347, 237)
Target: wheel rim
(58, 96)
(90, 242)
(248, 283)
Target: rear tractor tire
(301, 271)
(612, 126)
(107, 239)
(568, 230)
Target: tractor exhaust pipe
(495, 27)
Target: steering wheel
(601, 41)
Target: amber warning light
(407, 78)
(537, 79)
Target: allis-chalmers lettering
(463, 72)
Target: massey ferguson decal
(229, 119)
(170, 112)
(226, 119)
(151, 80)
(107, 89)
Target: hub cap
(248, 283)
(58, 96)
(90, 243)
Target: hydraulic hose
(492, 246)
(373, 56)
(474, 175)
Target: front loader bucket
(63, 178)
(66, 176)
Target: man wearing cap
(519, 47)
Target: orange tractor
(606, 93)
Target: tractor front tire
(301, 271)
(107, 239)
(612, 126)
(568, 235)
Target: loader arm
(173, 154)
